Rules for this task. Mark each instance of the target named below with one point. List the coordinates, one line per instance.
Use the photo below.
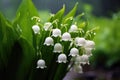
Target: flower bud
(47, 26)
(36, 29)
(73, 28)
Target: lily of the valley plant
(46, 50)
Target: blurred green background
(102, 13)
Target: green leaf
(61, 71)
(68, 19)
(58, 17)
(28, 60)
(21, 61)
(6, 39)
(72, 12)
(23, 22)
(67, 23)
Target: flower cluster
(79, 49)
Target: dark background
(100, 7)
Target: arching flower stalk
(47, 26)
(73, 28)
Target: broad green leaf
(23, 21)
(61, 71)
(23, 27)
(21, 61)
(28, 60)
(6, 39)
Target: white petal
(84, 59)
(73, 28)
(36, 29)
(41, 64)
(47, 26)
(88, 51)
(78, 68)
(62, 58)
(66, 37)
(74, 52)
(57, 48)
(89, 44)
(49, 41)
(80, 41)
(56, 33)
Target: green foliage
(23, 20)
(72, 12)
(107, 39)
(6, 37)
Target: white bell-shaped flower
(74, 52)
(47, 26)
(80, 41)
(77, 68)
(41, 64)
(89, 44)
(36, 29)
(88, 51)
(73, 28)
(84, 59)
(62, 58)
(56, 32)
(57, 48)
(77, 60)
(66, 36)
(49, 41)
